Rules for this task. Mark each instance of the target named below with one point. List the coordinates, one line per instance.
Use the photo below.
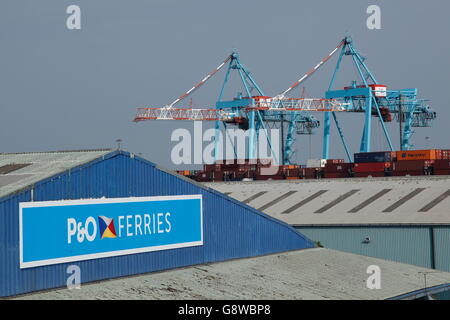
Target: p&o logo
(88, 230)
(107, 229)
(128, 226)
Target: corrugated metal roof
(39, 166)
(305, 274)
(390, 200)
(8, 168)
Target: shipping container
(340, 167)
(217, 176)
(210, 167)
(311, 173)
(431, 154)
(316, 163)
(445, 154)
(334, 161)
(412, 165)
(442, 164)
(371, 167)
(381, 156)
(334, 175)
(292, 172)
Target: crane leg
(326, 135)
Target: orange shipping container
(431, 154)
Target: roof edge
(60, 151)
(32, 185)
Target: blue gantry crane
(250, 110)
(375, 100)
(254, 112)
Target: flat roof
(356, 201)
(312, 274)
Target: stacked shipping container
(442, 166)
(337, 168)
(366, 164)
(420, 162)
(373, 164)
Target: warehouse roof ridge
(58, 151)
(23, 169)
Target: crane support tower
(375, 100)
(253, 110)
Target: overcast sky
(76, 89)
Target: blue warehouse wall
(231, 229)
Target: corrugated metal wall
(410, 245)
(442, 247)
(231, 229)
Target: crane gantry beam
(269, 105)
(254, 110)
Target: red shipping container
(441, 165)
(441, 172)
(310, 173)
(333, 175)
(412, 165)
(340, 167)
(292, 172)
(445, 154)
(209, 167)
(217, 176)
(334, 161)
(371, 166)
